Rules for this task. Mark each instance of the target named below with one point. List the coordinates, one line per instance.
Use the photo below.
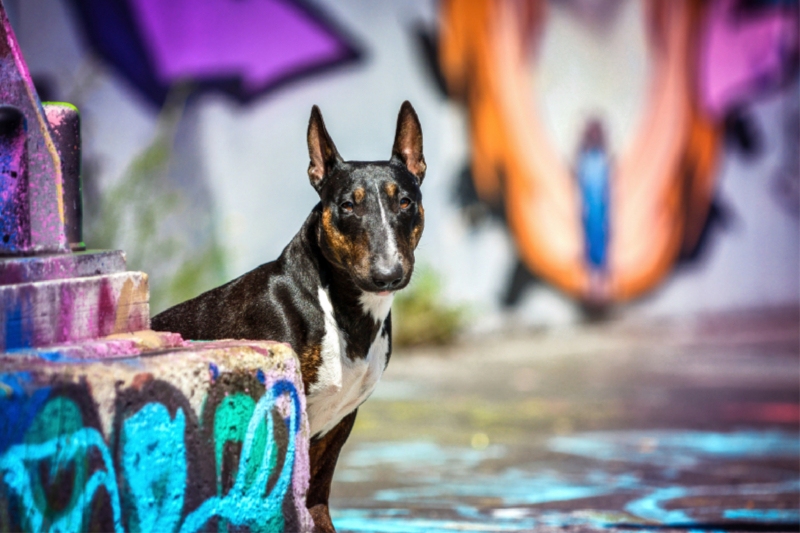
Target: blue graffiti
(593, 178)
(154, 472)
(55, 357)
(18, 331)
(154, 464)
(17, 475)
(18, 408)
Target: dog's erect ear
(321, 150)
(408, 141)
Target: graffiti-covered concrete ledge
(177, 437)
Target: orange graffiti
(661, 183)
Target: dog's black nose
(387, 278)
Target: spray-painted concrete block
(60, 266)
(65, 128)
(198, 437)
(31, 184)
(50, 312)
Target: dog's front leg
(324, 453)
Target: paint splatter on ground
(610, 428)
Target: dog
(330, 292)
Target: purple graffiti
(746, 53)
(242, 48)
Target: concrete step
(60, 266)
(44, 313)
(153, 434)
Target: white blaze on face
(391, 242)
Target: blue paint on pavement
(788, 516)
(472, 519)
(653, 505)
(420, 455)
(396, 521)
(511, 487)
(675, 448)
(460, 480)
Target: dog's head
(372, 216)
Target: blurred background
(586, 159)
(603, 328)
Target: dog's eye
(404, 203)
(347, 206)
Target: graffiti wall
(579, 155)
(208, 437)
(608, 219)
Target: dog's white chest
(343, 384)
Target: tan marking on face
(358, 195)
(348, 253)
(391, 189)
(416, 233)
(336, 241)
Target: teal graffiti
(228, 427)
(154, 467)
(60, 416)
(245, 503)
(16, 466)
(154, 472)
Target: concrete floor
(684, 425)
